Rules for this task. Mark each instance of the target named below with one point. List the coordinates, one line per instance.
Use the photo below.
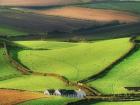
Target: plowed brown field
(10, 97)
(91, 14)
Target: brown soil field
(39, 2)
(12, 97)
(91, 14)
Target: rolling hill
(91, 14)
(75, 62)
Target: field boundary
(114, 63)
(26, 71)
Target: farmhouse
(57, 93)
(80, 93)
(67, 93)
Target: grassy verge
(118, 103)
(6, 70)
(49, 101)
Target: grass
(49, 101)
(33, 83)
(10, 31)
(77, 62)
(6, 70)
(123, 6)
(46, 44)
(118, 103)
(125, 74)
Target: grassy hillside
(46, 44)
(34, 83)
(10, 31)
(132, 6)
(38, 24)
(49, 101)
(77, 62)
(125, 74)
(6, 70)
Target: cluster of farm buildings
(68, 93)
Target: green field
(102, 54)
(123, 6)
(49, 101)
(125, 74)
(34, 83)
(119, 103)
(6, 70)
(77, 62)
(10, 31)
(46, 44)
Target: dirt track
(10, 97)
(91, 14)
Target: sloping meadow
(76, 62)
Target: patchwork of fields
(62, 54)
(91, 14)
(75, 62)
(130, 6)
(125, 74)
(31, 23)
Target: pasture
(10, 31)
(50, 45)
(76, 62)
(34, 83)
(69, 51)
(49, 101)
(6, 69)
(125, 74)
